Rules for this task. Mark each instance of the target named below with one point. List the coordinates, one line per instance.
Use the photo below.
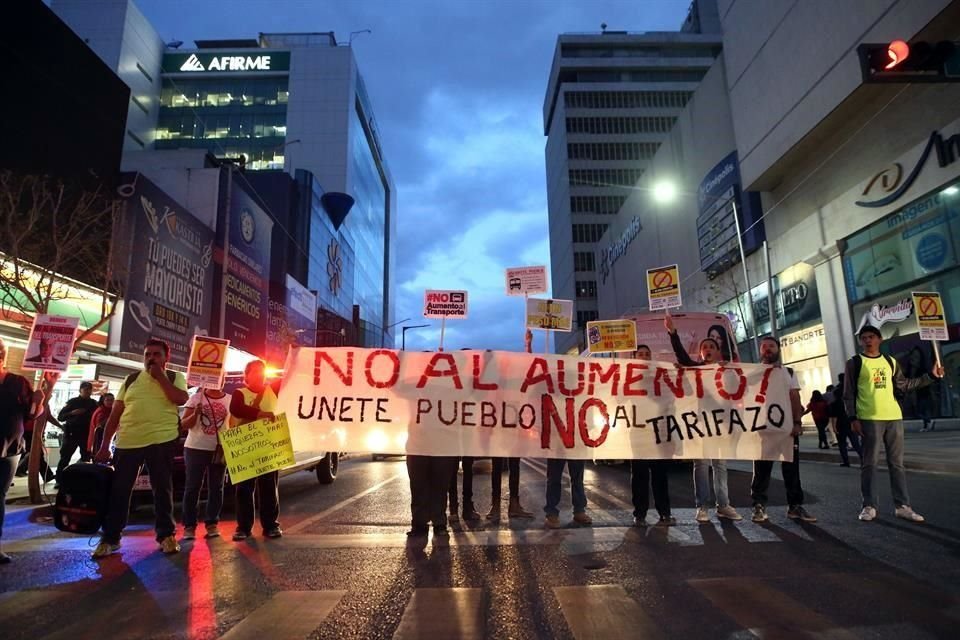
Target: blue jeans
(701, 482)
(8, 466)
(197, 463)
(554, 480)
(891, 433)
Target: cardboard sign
(444, 304)
(51, 343)
(605, 336)
(931, 318)
(555, 315)
(207, 364)
(663, 287)
(257, 447)
(522, 281)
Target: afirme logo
(227, 63)
(192, 64)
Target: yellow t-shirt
(148, 416)
(875, 399)
(267, 403)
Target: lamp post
(385, 329)
(665, 192)
(342, 333)
(403, 334)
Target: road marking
(306, 522)
(456, 612)
(604, 611)
(288, 614)
(765, 611)
(599, 515)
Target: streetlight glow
(664, 192)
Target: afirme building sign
(226, 61)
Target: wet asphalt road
(345, 569)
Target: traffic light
(899, 61)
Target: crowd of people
(144, 419)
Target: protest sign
(663, 287)
(206, 366)
(607, 336)
(931, 319)
(444, 304)
(51, 343)
(554, 315)
(494, 403)
(257, 447)
(523, 281)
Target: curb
(913, 465)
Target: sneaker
(666, 521)
(417, 532)
(907, 513)
(639, 521)
(453, 518)
(582, 519)
(760, 513)
(797, 512)
(552, 522)
(189, 533)
(702, 515)
(729, 513)
(4, 558)
(169, 545)
(469, 513)
(868, 514)
(276, 532)
(213, 531)
(239, 535)
(494, 513)
(924, 430)
(104, 549)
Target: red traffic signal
(900, 62)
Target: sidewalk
(19, 495)
(937, 450)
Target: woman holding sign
(710, 353)
(254, 401)
(205, 415)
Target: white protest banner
(207, 364)
(555, 315)
(444, 304)
(495, 403)
(663, 288)
(51, 343)
(523, 281)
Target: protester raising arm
(683, 358)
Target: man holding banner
(646, 474)
(253, 401)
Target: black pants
(822, 432)
(845, 434)
(429, 483)
(513, 464)
(791, 478)
(643, 474)
(126, 464)
(467, 484)
(72, 442)
(266, 490)
(24, 465)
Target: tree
(56, 244)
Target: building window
(604, 177)
(136, 138)
(611, 150)
(583, 261)
(605, 205)
(586, 289)
(626, 99)
(139, 104)
(588, 232)
(620, 125)
(144, 72)
(583, 317)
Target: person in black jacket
(75, 417)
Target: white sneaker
(907, 513)
(729, 513)
(702, 515)
(868, 514)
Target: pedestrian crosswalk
(736, 606)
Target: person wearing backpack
(253, 401)
(146, 422)
(869, 382)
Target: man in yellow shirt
(874, 413)
(145, 419)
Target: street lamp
(403, 334)
(385, 329)
(342, 333)
(665, 192)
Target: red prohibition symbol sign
(662, 279)
(208, 352)
(928, 306)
